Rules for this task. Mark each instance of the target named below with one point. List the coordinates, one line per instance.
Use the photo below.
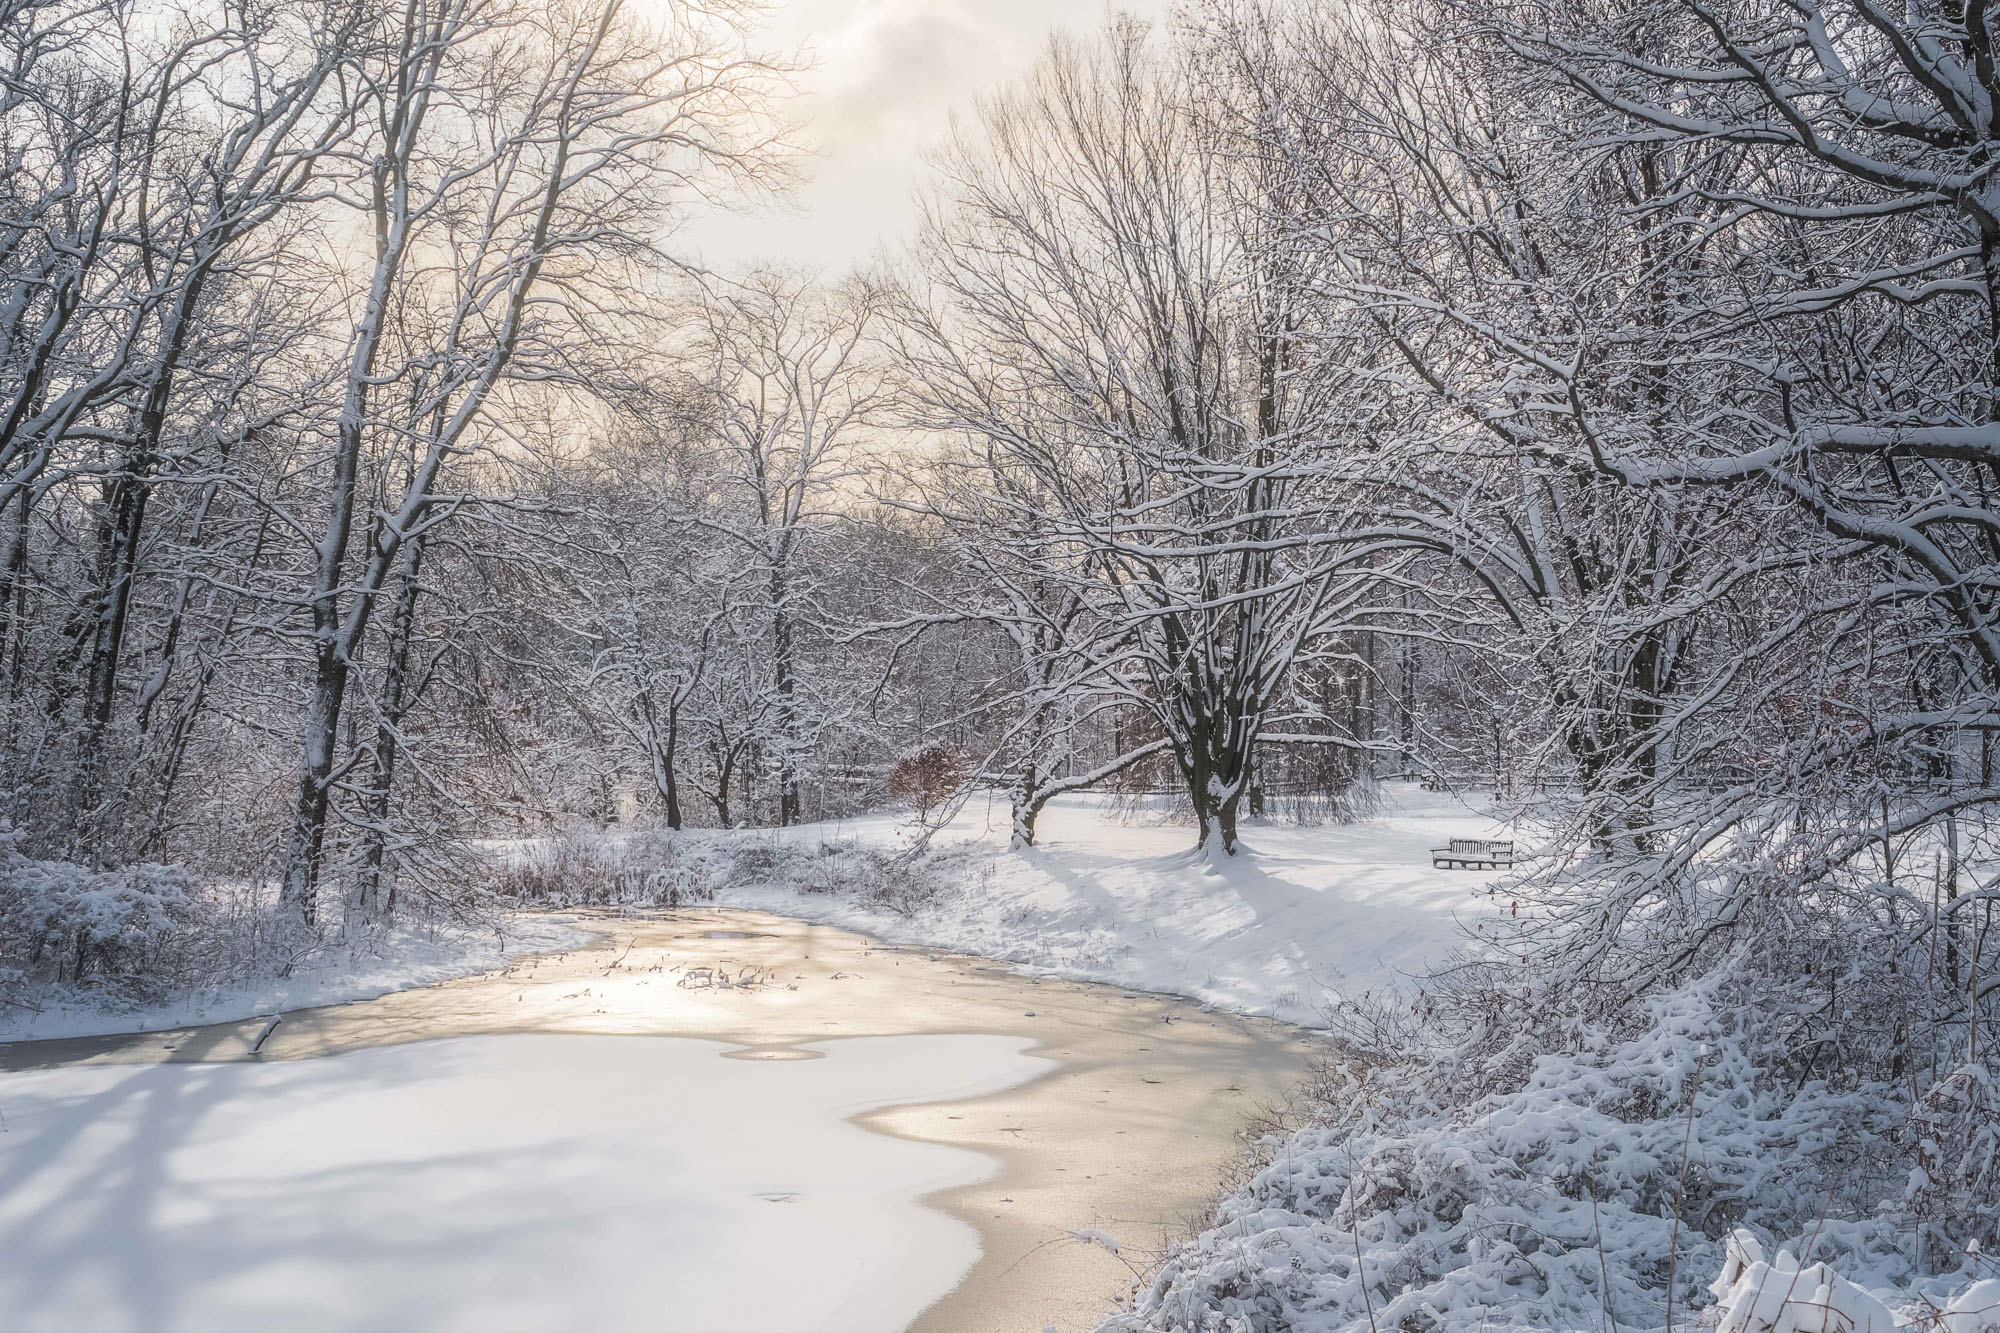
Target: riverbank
(1305, 920)
(393, 958)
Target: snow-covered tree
(1100, 326)
(786, 363)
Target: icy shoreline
(397, 961)
(1303, 919)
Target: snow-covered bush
(78, 943)
(1573, 1177)
(589, 867)
(583, 866)
(1954, 1136)
(895, 880)
(69, 924)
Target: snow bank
(1976, 1310)
(333, 973)
(1753, 1296)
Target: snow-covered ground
(1302, 916)
(389, 962)
(489, 1183)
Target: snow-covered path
(508, 1182)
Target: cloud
(900, 65)
(886, 76)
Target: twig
(1680, 1188)
(1360, 1271)
(1603, 1270)
(270, 1026)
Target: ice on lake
(510, 1182)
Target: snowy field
(495, 1183)
(1302, 916)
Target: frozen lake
(497, 1182)
(690, 1120)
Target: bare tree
(793, 389)
(1106, 334)
(147, 203)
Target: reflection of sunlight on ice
(519, 1182)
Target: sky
(886, 76)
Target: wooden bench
(1474, 854)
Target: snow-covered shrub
(901, 884)
(69, 924)
(76, 940)
(589, 867)
(1953, 1134)
(893, 880)
(760, 862)
(1566, 1177)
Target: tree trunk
(724, 758)
(1216, 762)
(785, 685)
(308, 839)
(330, 650)
(1406, 703)
(126, 495)
(14, 596)
(1215, 809)
(673, 792)
(1028, 800)
(376, 888)
(662, 749)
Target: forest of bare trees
(303, 301)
